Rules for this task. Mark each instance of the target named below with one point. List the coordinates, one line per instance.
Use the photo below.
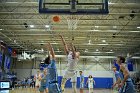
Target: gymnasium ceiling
(112, 34)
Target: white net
(72, 22)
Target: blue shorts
(127, 88)
(54, 88)
(43, 87)
(81, 85)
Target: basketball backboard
(73, 6)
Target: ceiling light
(32, 26)
(58, 50)
(1, 41)
(95, 30)
(114, 26)
(86, 50)
(96, 26)
(111, 50)
(15, 41)
(0, 29)
(42, 62)
(19, 60)
(110, 2)
(54, 43)
(42, 50)
(97, 50)
(138, 27)
(103, 41)
(89, 42)
(47, 26)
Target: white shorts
(90, 85)
(71, 74)
(81, 85)
(37, 83)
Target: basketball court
(67, 91)
(100, 30)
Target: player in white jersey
(91, 83)
(37, 79)
(72, 58)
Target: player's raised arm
(73, 50)
(65, 45)
(51, 50)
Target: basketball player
(126, 85)
(44, 82)
(81, 82)
(73, 58)
(117, 77)
(52, 71)
(37, 78)
(91, 83)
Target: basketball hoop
(72, 22)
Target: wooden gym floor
(30, 90)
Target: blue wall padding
(100, 82)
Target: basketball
(56, 18)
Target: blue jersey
(81, 78)
(53, 84)
(117, 75)
(128, 86)
(44, 81)
(81, 81)
(52, 71)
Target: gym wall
(100, 70)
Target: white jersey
(72, 63)
(37, 81)
(90, 82)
